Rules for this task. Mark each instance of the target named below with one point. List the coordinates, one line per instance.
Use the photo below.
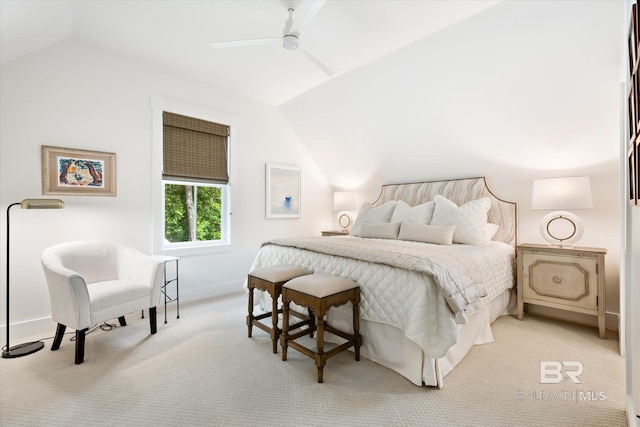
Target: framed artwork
(633, 107)
(282, 191)
(632, 112)
(636, 82)
(632, 39)
(637, 172)
(75, 172)
(632, 177)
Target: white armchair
(94, 281)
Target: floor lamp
(29, 347)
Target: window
(195, 181)
(193, 213)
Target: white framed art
(282, 191)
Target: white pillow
(438, 234)
(379, 230)
(490, 230)
(469, 218)
(420, 214)
(370, 214)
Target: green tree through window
(192, 212)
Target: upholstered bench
(320, 292)
(271, 279)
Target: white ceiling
(175, 35)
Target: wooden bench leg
(312, 322)
(356, 326)
(250, 309)
(285, 328)
(321, 359)
(275, 332)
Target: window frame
(160, 246)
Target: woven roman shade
(194, 149)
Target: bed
(424, 305)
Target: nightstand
(564, 278)
(335, 233)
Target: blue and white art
(283, 191)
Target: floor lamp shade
(29, 347)
(562, 227)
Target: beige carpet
(202, 369)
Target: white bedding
(407, 299)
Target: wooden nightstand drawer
(562, 278)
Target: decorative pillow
(420, 214)
(370, 214)
(380, 230)
(469, 218)
(438, 234)
(490, 230)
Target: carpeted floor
(202, 370)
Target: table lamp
(344, 201)
(561, 228)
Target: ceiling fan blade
(302, 22)
(319, 63)
(252, 42)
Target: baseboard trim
(612, 320)
(44, 328)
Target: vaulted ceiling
(422, 88)
(176, 34)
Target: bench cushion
(320, 285)
(279, 273)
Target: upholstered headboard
(459, 191)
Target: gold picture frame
(76, 172)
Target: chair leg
(58, 338)
(122, 320)
(80, 335)
(152, 320)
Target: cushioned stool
(319, 292)
(271, 279)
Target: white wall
(632, 332)
(71, 96)
(522, 90)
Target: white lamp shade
(344, 201)
(562, 193)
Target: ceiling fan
(290, 38)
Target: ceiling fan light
(290, 42)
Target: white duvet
(405, 297)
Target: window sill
(195, 250)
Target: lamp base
(561, 228)
(345, 221)
(22, 349)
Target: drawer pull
(557, 280)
